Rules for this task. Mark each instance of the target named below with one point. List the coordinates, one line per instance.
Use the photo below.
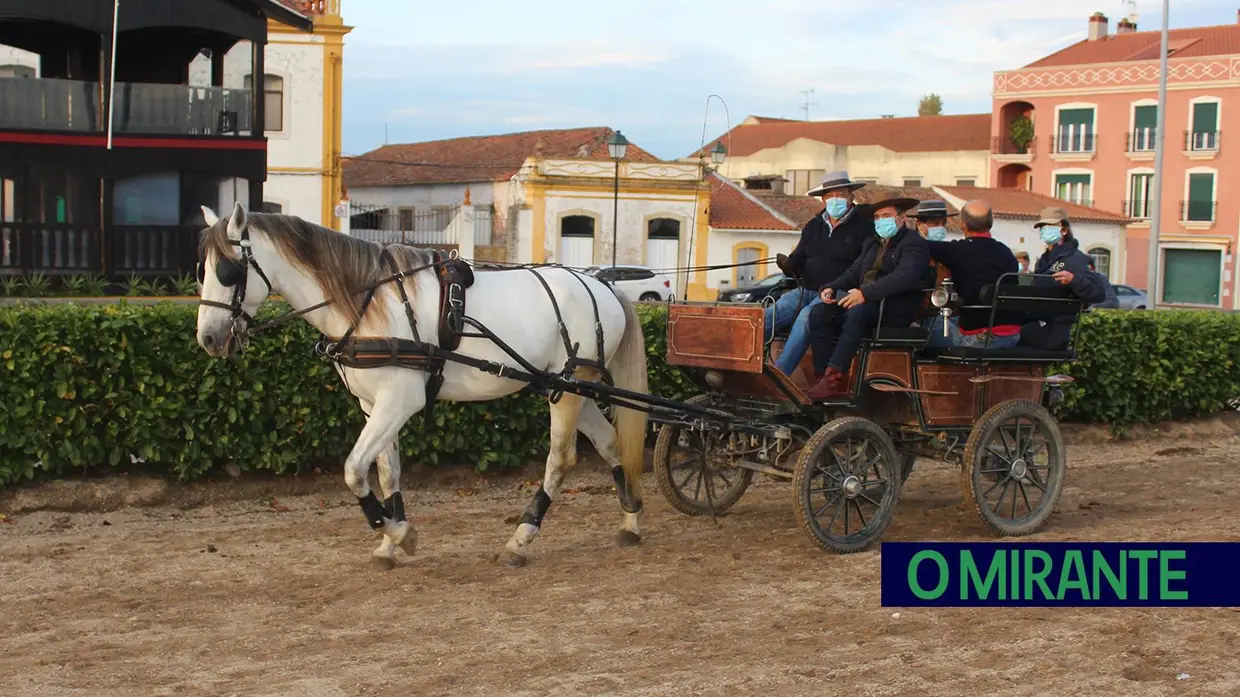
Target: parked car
(637, 282)
(1130, 298)
(773, 285)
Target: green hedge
(84, 388)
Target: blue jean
(784, 313)
(955, 338)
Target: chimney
(1125, 26)
(1097, 26)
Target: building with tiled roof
(1079, 124)
(912, 151)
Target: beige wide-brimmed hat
(835, 180)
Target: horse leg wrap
(395, 507)
(372, 509)
(534, 513)
(628, 502)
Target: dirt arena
(203, 595)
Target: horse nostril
(209, 340)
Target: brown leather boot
(833, 385)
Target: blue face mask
(837, 207)
(885, 227)
(1050, 235)
(936, 234)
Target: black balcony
(1198, 211)
(49, 248)
(1080, 143)
(1003, 145)
(1139, 209)
(140, 108)
(1140, 140)
(1202, 141)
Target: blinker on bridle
(234, 274)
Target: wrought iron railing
(1198, 211)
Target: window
(1144, 121)
(1200, 204)
(405, 217)
(1073, 187)
(576, 241)
(273, 101)
(912, 181)
(272, 207)
(1140, 184)
(1192, 276)
(966, 181)
(1101, 257)
(1076, 130)
(801, 181)
(1204, 135)
(148, 199)
(16, 71)
(748, 273)
(663, 243)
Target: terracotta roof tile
(1190, 42)
(1026, 205)
(910, 134)
(477, 158)
(731, 208)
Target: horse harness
(454, 275)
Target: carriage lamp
(940, 298)
(715, 379)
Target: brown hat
(1051, 215)
(901, 204)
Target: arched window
(748, 273)
(1101, 257)
(273, 101)
(576, 241)
(663, 244)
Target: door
(1192, 276)
(576, 241)
(747, 272)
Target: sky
(417, 70)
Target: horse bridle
(235, 275)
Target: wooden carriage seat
(1034, 303)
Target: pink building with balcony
(1079, 125)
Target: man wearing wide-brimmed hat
(830, 242)
(893, 266)
(931, 217)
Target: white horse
(250, 256)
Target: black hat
(934, 208)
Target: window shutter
(1205, 117)
(1145, 117)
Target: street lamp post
(1151, 269)
(616, 145)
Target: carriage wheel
(847, 483)
(694, 471)
(1014, 467)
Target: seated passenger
(975, 262)
(1069, 266)
(893, 265)
(931, 217)
(830, 242)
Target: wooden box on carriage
(719, 336)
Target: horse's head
(231, 284)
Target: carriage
(983, 409)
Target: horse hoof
(628, 538)
(382, 563)
(409, 543)
(511, 559)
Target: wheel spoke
(1002, 495)
(686, 462)
(831, 524)
(1007, 459)
(1023, 495)
(818, 513)
(824, 490)
(867, 498)
(1001, 481)
(859, 514)
(1017, 482)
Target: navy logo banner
(1061, 574)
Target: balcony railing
(1140, 140)
(50, 248)
(1138, 209)
(165, 250)
(1202, 141)
(1198, 211)
(49, 105)
(45, 104)
(1003, 145)
(1074, 143)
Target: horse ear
(237, 222)
(209, 216)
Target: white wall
(16, 56)
(424, 196)
(864, 162)
(1019, 234)
(723, 241)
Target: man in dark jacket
(975, 262)
(893, 266)
(830, 242)
(1069, 266)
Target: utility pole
(807, 104)
(1160, 138)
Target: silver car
(1130, 298)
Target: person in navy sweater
(893, 266)
(974, 263)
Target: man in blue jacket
(1067, 265)
(830, 242)
(894, 265)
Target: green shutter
(1205, 117)
(1145, 117)
(1200, 196)
(1080, 117)
(1191, 276)
(1071, 179)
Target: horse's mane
(342, 265)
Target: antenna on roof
(807, 104)
(1132, 10)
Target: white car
(637, 282)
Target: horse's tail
(628, 372)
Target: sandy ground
(256, 597)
